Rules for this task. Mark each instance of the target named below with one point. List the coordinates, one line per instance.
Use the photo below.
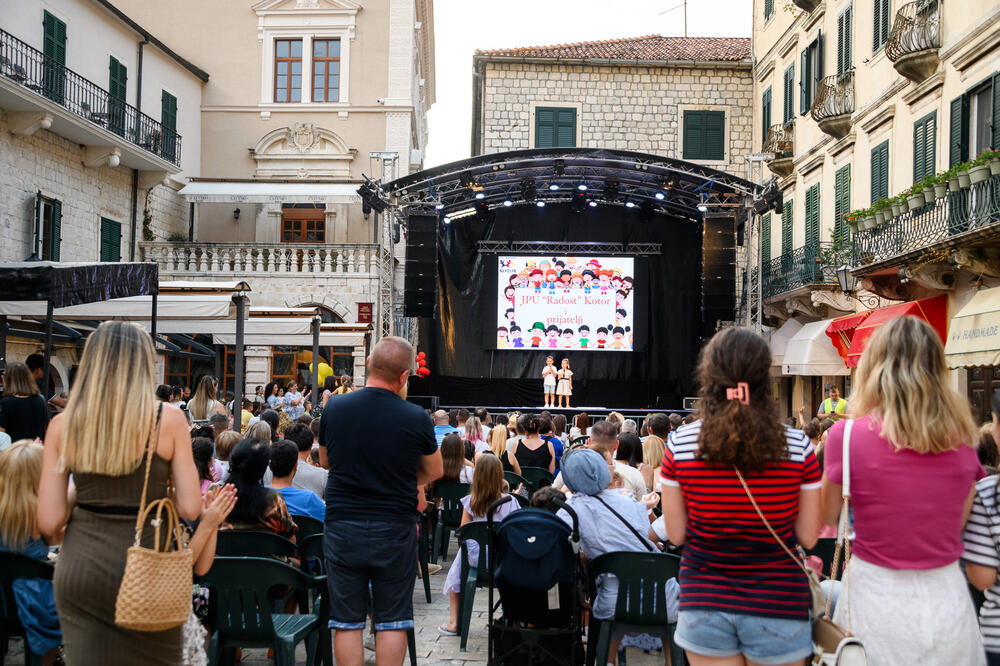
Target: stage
(595, 413)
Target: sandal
(445, 631)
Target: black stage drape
(466, 371)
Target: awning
(204, 191)
(932, 310)
(168, 306)
(841, 331)
(810, 353)
(227, 327)
(974, 333)
(66, 283)
(264, 340)
(779, 341)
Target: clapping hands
(217, 504)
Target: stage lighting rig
(371, 195)
(559, 167)
(483, 211)
(528, 189)
(579, 202)
(611, 190)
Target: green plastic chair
(472, 576)
(244, 618)
(14, 566)
(450, 518)
(514, 480)
(536, 477)
(252, 543)
(424, 552)
(641, 606)
(307, 525)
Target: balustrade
(249, 258)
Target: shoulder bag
(832, 645)
(155, 592)
(643, 540)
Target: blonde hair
(208, 388)
(652, 451)
(473, 430)
(225, 442)
(112, 408)
(18, 381)
(498, 440)
(20, 468)
(902, 379)
(260, 430)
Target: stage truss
(583, 248)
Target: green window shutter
(565, 131)
(880, 172)
(842, 203)
(844, 41)
(704, 135)
(111, 240)
(117, 82)
(880, 25)
(787, 227)
(817, 66)
(715, 128)
(56, 239)
(924, 138)
(768, 9)
(812, 216)
(54, 48)
(958, 141)
(789, 101)
(545, 128)
(804, 78)
(168, 118)
(765, 238)
(996, 111)
(765, 112)
(555, 127)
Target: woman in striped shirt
(742, 598)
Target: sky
(462, 26)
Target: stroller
(536, 570)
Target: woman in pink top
(913, 470)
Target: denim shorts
(370, 557)
(765, 640)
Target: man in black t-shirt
(379, 449)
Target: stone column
(257, 368)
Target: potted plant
(895, 206)
(964, 181)
(940, 185)
(980, 170)
(951, 176)
(915, 196)
(881, 211)
(993, 158)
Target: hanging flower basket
(978, 174)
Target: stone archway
(302, 151)
(327, 303)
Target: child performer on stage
(549, 373)
(565, 387)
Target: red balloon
(421, 362)
(421, 355)
(423, 371)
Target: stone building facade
(627, 94)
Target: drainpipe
(135, 172)
(478, 86)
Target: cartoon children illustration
(537, 332)
(509, 314)
(602, 337)
(571, 263)
(553, 336)
(577, 281)
(550, 280)
(567, 338)
(515, 337)
(604, 278)
(544, 266)
(616, 278)
(588, 280)
(627, 284)
(594, 265)
(565, 277)
(620, 315)
(501, 337)
(618, 333)
(522, 278)
(584, 332)
(620, 297)
(558, 264)
(536, 280)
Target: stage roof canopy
(578, 176)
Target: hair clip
(741, 393)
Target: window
(844, 42)
(555, 127)
(111, 240)
(812, 216)
(841, 204)
(187, 367)
(54, 48)
(768, 9)
(168, 118)
(303, 223)
(789, 101)
(810, 73)
(975, 121)
(326, 70)
(117, 86)
(292, 363)
(765, 238)
(880, 27)
(704, 135)
(765, 112)
(880, 171)
(787, 227)
(48, 227)
(288, 70)
(924, 137)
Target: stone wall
(49, 163)
(625, 108)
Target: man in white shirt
(485, 421)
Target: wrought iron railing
(834, 96)
(187, 258)
(35, 71)
(807, 265)
(974, 211)
(779, 140)
(917, 27)
(806, 5)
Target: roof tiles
(649, 48)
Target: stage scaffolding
(583, 248)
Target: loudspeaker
(718, 272)
(420, 271)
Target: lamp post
(846, 279)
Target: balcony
(805, 266)
(41, 93)
(184, 260)
(965, 218)
(780, 142)
(834, 103)
(806, 5)
(915, 39)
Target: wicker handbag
(155, 592)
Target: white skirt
(563, 388)
(910, 616)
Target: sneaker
(433, 568)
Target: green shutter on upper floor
(56, 240)
(168, 118)
(880, 25)
(844, 41)
(768, 9)
(765, 238)
(787, 227)
(789, 89)
(880, 171)
(996, 111)
(812, 216)
(704, 135)
(765, 112)
(54, 49)
(111, 240)
(924, 139)
(555, 127)
(117, 91)
(958, 139)
(841, 204)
